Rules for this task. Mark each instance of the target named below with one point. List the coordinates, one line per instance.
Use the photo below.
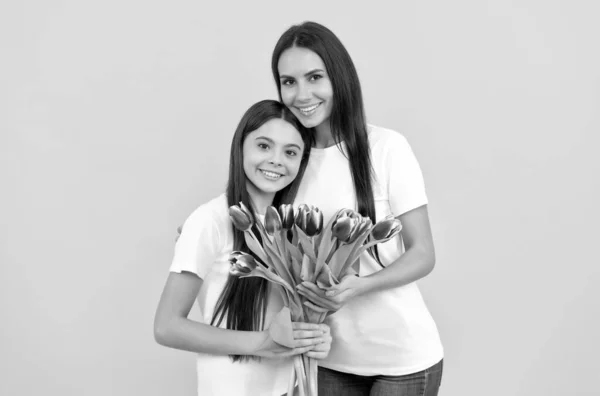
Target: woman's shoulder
(384, 138)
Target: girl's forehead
(278, 131)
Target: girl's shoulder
(214, 212)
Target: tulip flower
(349, 225)
(309, 219)
(272, 221)
(241, 217)
(241, 263)
(343, 226)
(286, 213)
(385, 229)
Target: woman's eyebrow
(313, 71)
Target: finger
(306, 326)
(312, 287)
(317, 355)
(319, 301)
(324, 328)
(322, 347)
(308, 342)
(299, 334)
(316, 307)
(295, 351)
(311, 296)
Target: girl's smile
(271, 157)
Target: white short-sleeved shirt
(389, 332)
(203, 249)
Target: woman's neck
(324, 136)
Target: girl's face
(272, 156)
(305, 86)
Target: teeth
(308, 110)
(272, 175)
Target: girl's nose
(275, 159)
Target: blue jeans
(423, 383)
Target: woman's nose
(304, 92)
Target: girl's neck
(323, 135)
(260, 199)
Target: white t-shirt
(389, 332)
(203, 248)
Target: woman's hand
(310, 338)
(333, 299)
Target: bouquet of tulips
(294, 247)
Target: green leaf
(253, 245)
(270, 276)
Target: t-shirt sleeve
(198, 245)
(406, 188)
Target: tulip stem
(292, 383)
(301, 375)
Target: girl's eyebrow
(273, 142)
(313, 71)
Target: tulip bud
(241, 217)
(286, 212)
(387, 228)
(241, 263)
(363, 224)
(272, 221)
(309, 219)
(343, 226)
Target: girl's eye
(263, 146)
(287, 82)
(315, 77)
(292, 153)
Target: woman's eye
(315, 77)
(263, 146)
(287, 82)
(292, 153)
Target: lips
(309, 110)
(271, 175)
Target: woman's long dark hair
(348, 122)
(243, 301)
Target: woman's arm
(417, 261)
(173, 329)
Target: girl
(385, 342)
(269, 149)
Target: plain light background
(116, 119)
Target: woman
(385, 341)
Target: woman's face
(272, 156)
(305, 86)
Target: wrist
(366, 285)
(256, 342)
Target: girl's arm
(173, 329)
(417, 261)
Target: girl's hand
(320, 351)
(307, 336)
(333, 299)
